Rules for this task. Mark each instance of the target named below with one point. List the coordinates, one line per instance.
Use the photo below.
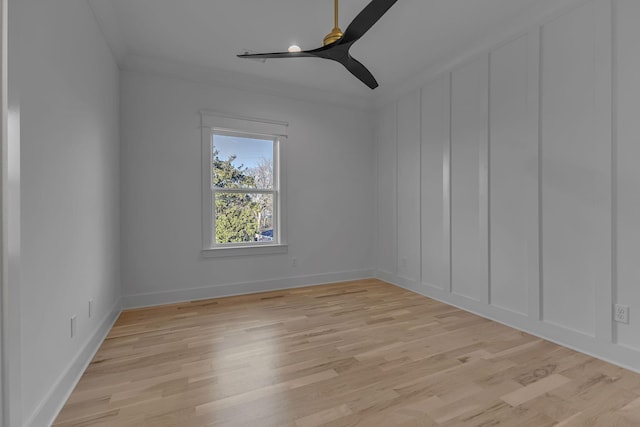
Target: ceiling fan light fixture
(294, 48)
(337, 44)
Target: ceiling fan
(336, 44)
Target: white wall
(4, 405)
(469, 192)
(544, 215)
(513, 157)
(330, 200)
(435, 180)
(69, 89)
(11, 311)
(576, 171)
(627, 175)
(408, 184)
(387, 202)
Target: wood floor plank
(535, 389)
(362, 353)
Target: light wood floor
(363, 353)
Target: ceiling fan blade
(339, 50)
(366, 19)
(360, 71)
(276, 55)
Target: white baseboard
(48, 409)
(217, 291)
(619, 355)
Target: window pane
(241, 162)
(241, 217)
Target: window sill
(244, 251)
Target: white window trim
(213, 121)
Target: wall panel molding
(626, 204)
(408, 186)
(387, 202)
(514, 176)
(564, 236)
(435, 183)
(576, 170)
(469, 180)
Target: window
(243, 176)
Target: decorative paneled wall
(627, 176)
(576, 171)
(469, 190)
(386, 254)
(435, 180)
(528, 207)
(409, 187)
(513, 157)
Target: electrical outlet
(90, 308)
(403, 263)
(621, 313)
(73, 326)
(294, 262)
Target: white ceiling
(412, 36)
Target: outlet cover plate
(621, 313)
